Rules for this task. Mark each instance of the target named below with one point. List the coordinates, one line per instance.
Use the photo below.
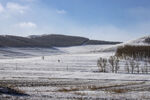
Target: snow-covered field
(67, 73)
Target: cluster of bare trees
(102, 63)
(113, 63)
(136, 52)
(133, 66)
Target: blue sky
(117, 20)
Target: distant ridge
(50, 40)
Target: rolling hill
(47, 41)
(142, 41)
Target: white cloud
(27, 25)
(1, 8)
(15, 7)
(61, 11)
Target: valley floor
(71, 74)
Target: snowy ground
(69, 73)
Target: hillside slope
(17, 41)
(59, 40)
(47, 41)
(143, 41)
(140, 41)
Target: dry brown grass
(80, 93)
(68, 90)
(115, 85)
(115, 88)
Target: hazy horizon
(98, 19)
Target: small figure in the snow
(42, 57)
(58, 60)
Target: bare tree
(127, 67)
(114, 63)
(143, 69)
(146, 67)
(101, 63)
(132, 65)
(138, 67)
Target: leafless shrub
(101, 63)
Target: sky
(113, 20)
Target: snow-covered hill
(11, 52)
(48, 41)
(143, 41)
(140, 41)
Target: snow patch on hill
(143, 41)
(140, 41)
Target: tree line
(130, 65)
